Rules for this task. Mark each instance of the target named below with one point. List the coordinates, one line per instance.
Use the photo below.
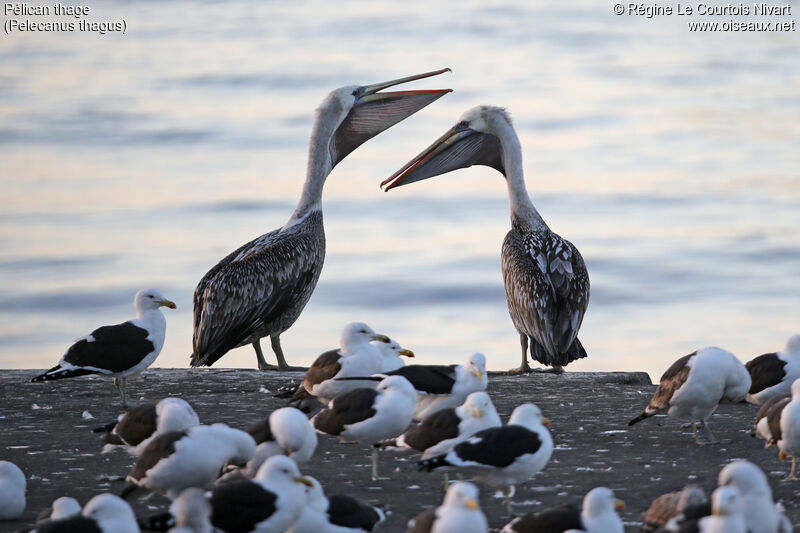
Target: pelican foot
(553, 370)
(792, 477)
(267, 366)
(289, 368)
(526, 369)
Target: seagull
(695, 384)
(369, 415)
(392, 352)
(547, 285)
(505, 455)
(760, 511)
(287, 431)
(669, 505)
(192, 512)
(726, 516)
(177, 460)
(357, 357)
(459, 513)
(441, 387)
(443, 429)
(134, 428)
(12, 491)
(773, 373)
(62, 507)
(121, 350)
(789, 439)
(598, 515)
(271, 502)
(337, 514)
(768, 419)
(260, 289)
(105, 513)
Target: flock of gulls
(220, 478)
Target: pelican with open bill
(260, 289)
(547, 285)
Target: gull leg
(375, 476)
(276, 347)
(509, 492)
(792, 475)
(119, 383)
(446, 481)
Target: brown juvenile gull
(134, 428)
(693, 387)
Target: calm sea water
(669, 158)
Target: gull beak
(782, 455)
(304, 480)
(459, 147)
(167, 303)
(287, 452)
(479, 374)
(472, 504)
(545, 422)
(379, 337)
(407, 353)
(478, 413)
(619, 505)
(374, 111)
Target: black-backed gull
(597, 515)
(369, 415)
(503, 456)
(121, 350)
(459, 513)
(772, 374)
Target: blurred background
(669, 158)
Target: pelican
(261, 288)
(547, 285)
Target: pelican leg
(446, 481)
(276, 347)
(524, 367)
(375, 476)
(262, 363)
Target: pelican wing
(251, 288)
(547, 287)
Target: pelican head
(474, 140)
(360, 112)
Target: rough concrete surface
(43, 431)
